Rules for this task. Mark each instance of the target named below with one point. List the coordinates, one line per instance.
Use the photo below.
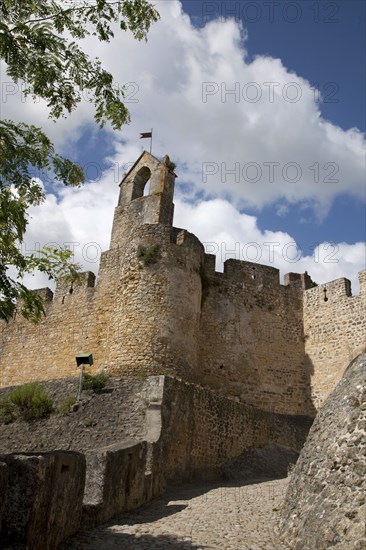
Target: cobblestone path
(226, 516)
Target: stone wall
(159, 307)
(117, 413)
(189, 432)
(325, 503)
(202, 432)
(334, 331)
(4, 473)
(197, 429)
(117, 481)
(42, 501)
(251, 338)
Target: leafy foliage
(172, 166)
(35, 43)
(39, 42)
(96, 382)
(29, 401)
(7, 410)
(148, 254)
(142, 374)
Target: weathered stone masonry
(187, 432)
(239, 332)
(334, 331)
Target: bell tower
(146, 196)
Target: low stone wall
(190, 432)
(4, 471)
(115, 482)
(42, 501)
(202, 433)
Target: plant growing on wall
(149, 254)
(67, 403)
(171, 166)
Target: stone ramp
(117, 413)
(240, 515)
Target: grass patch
(66, 405)
(142, 373)
(89, 423)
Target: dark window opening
(141, 183)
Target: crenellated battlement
(45, 293)
(325, 294)
(249, 272)
(159, 306)
(334, 329)
(362, 281)
(185, 239)
(300, 279)
(66, 288)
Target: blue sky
(221, 141)
(324, 42)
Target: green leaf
(40, 44)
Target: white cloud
(254, 152)
(231, 234)
(255, 139)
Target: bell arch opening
(141, 183)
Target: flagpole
(151, 141)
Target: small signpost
(81, 360)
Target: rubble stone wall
(334, 332)
(159, 307)
(325, 503)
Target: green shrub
(31, 401)
(7, 410)
(148, 254)
(171, 166)
(66, 404)
(96, 382)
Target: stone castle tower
(160, 307)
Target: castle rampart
(334, 331)
(252, 344)
(159, 307)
